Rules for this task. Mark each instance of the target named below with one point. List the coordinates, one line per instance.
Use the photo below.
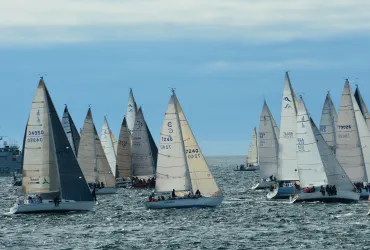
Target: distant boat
(287, 165)
(268, 149)
(71, 130)
(353, 141)
(181, 165)
(321, 176)
(124, 166)
(328, 123)
(109, 145)
(92, 159)
(50, 167)
(143, 166)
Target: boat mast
(181, 138)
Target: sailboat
(50, 167)
(328, 123)
(287, 165)
(92, 159)
(124, 166)
(251, 162)
(141, 155)
(353, 142)
(181, 167)
(107, 141)
(321, 176)
(71, 130)
(362, 106)
(268, 149)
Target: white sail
(349, 150)
(171, 172)
(131, 112)
(252, 159)
(328, 122)
(334, 171)
(108, 146)
(86, 150)
(39, 163)
(268, 144)
(114, 141)
(104, 171)
(362, 106)
(201, 176)
(287, 167)
(142, 160)
(124, 168)
(310, 166)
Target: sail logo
(38, 117)
(323, 128)
(45, 181)
(170, 130)
(287, 106)
(302, 120)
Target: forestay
(287, 167)
(142, 160)
(328, 122)
(310, 166)
(349, 151)
(108, 146)
(201, 176)
(252, 158)
(124, 169)
(268, 144)
(70, 130)
(171, 172)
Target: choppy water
(245, 220)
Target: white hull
(280, 193)
(106, 190)
(186, 203)
(49, 206)
(263, 185)
(342, 196)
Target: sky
(223, 57)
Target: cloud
(267, 21)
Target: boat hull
(201, 202)
(280, 193)
(263, 185)
(342, 196)
(106, 190)
(123, 184)
(48, 206)
(364, 195)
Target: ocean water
(245, 220)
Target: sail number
(166, 139)
(262, 135)
(165, 146)
(192, 153)
(300, 144)
(323, 128)
(344, 126)
(288, 135)
(122, 143)
(36, 132)
(34, 139)
(344, 136)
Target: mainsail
(181, 164)
(71, 130)
(131, 112)
(50, 164)
(329, 119)
(91, 155)
(142, 159)
(310, 166)
(362, 106)
(352, 137)
(124, 169)
(252, 159)
(153, 146)
(108, 145)
(268, 144)
(287, 167)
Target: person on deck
(334, 190)
(94, 194)
(322, 190)
(173, 193)
(102, 185)
(197, 193)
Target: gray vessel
(10, 159)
